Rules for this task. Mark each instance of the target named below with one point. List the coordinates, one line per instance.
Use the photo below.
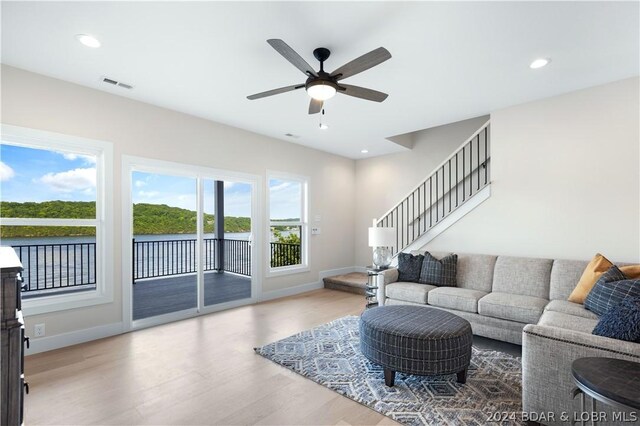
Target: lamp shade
(382, 237)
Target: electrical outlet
(38, 330)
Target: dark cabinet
(12, 384)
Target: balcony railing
(153, 259)
(285, 254)
(68, 266)
(57, 266)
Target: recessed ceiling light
(365, 151)
(88, 40)
(539, 63)
(323, 126)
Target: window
(56, 214)
(288, 231)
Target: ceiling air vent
(116, 83)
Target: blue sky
(28, 174)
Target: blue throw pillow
(621, 321)
(610, 290)
(409, 267)
(441, 273)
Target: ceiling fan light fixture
(88, 40)
(321, 90)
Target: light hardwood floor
(197, 371)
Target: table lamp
(381, 239)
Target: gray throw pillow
(409, 267)
(441, 273)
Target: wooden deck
(159, 296)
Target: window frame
(304, 224)
(103, 222)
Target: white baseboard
(58, 341)
(338, 271)
(290, 291)
(303, 288)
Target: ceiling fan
(321, 85)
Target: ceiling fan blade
(292, 56)
(363, 63)
(362, 93)
(315, 106)
(275, 91)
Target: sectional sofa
(523, 301)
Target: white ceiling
(450, 61)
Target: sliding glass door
(227, 243)
(191, 242)
(165, 232)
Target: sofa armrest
(390, 275)
(547, 355)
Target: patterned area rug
(330, 355)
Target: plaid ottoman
(416, 340)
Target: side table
(372, 290)
(615, 382)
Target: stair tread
(353, 279)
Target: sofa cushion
(513, 307)
(568, 322)
(409, 292)
(566, 307)
(595, 268)
(621, 322)
(409, 267)
(475, 271)
(439, 272)
(461, 299)
(523, 276)
(611, 289)
(564, 276)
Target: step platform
(354, 282)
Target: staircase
(456, 186)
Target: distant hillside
(147, 219)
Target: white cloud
(6, 172)
(88, 159)
(280, 187)
(71, 180)
(228, 185)
(140, 183)
(148, 194)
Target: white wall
(382, 182)
(565, 179)
(135, 128)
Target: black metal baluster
(486, 151)
(430, 202)
(464, 178)
(413, 216)
(478, 157)
(437, 196)
(424, 211)
(449, 193)
(457, 179)
(443, 193)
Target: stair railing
(458, 178)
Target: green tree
(288, 249)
